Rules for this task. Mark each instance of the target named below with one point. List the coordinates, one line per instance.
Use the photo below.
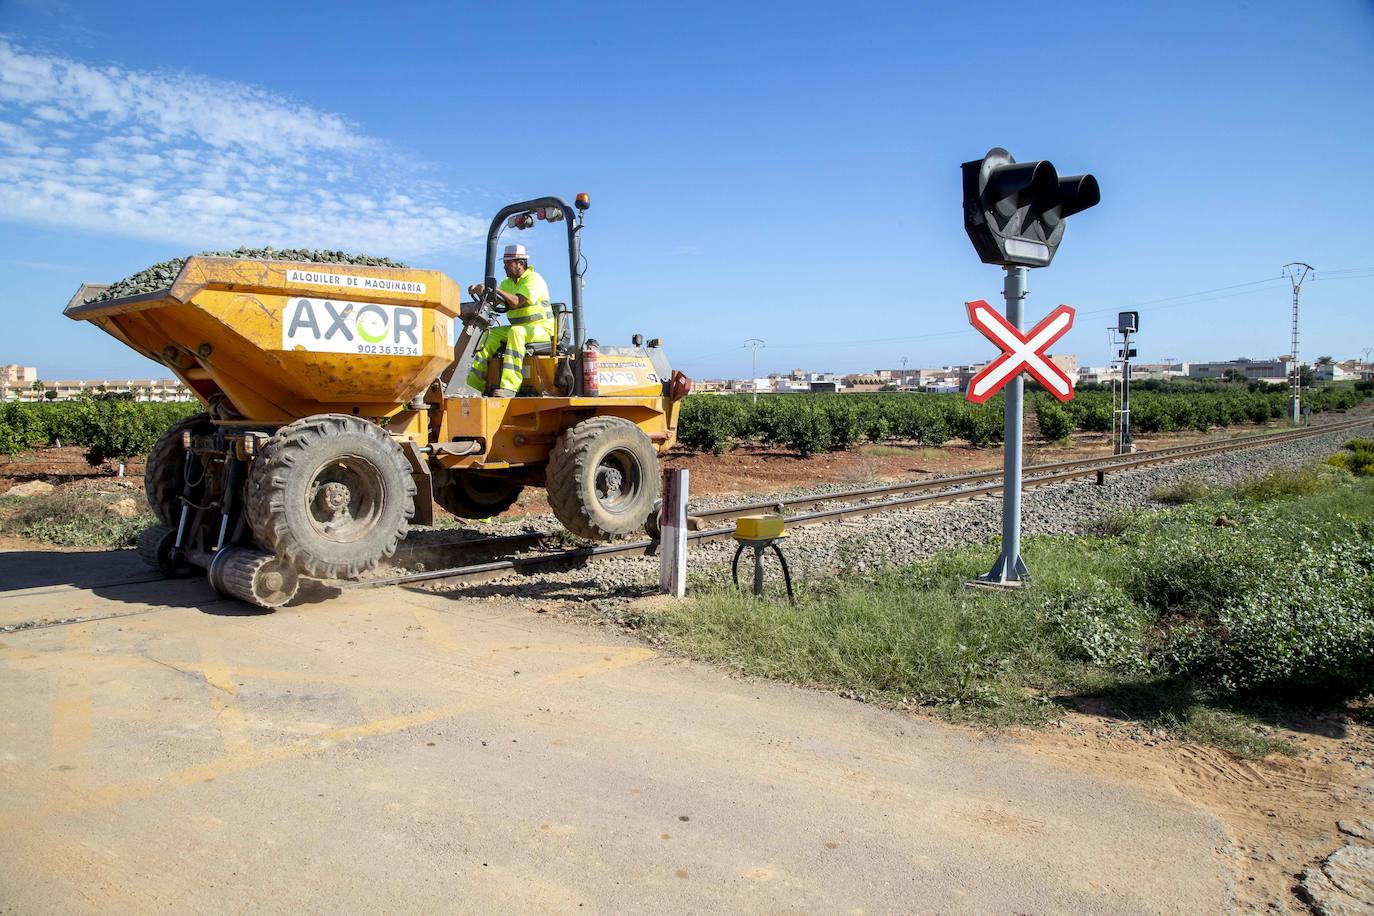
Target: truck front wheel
(602, 478)
(331, 494)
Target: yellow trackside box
(758, 527)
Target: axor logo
(332, 326)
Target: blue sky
(787, 171)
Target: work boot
(503, 393)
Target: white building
(147, 389)
(1098, 375)
(14, 375)
(1264, 370)
(1142, 371)
(1332, 373)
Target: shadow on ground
(576, 590)
(120, 576)
(1171, 701)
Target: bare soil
(747, 470)
(60, 466)
(1280, 812)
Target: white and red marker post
(1020, 352)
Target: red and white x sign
(1019, 352)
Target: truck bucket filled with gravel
(284, 339)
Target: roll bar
(574, 222)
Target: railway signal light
(1014, 212)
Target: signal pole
(1127, 323)
(754, 344)
(1009, 567)
(1297, 272)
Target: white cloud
(180, 158)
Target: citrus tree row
(806, 424)
(812, 423)
(109, 429)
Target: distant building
(148, 389)
(1332, 372)
(15, 374)
(1066, 361)
(1098, 375)
(1143, 371)
(1263, 370)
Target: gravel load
(164, 274)
(905, 535)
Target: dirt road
(403, 751)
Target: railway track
(861, 501)
(713, 522)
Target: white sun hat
(515, 251)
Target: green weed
(75, 518)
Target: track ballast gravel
(906, 535)
(164, 274)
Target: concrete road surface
(397, 751)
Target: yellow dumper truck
(337, 414)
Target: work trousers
(512, 340)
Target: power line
(688, 359)
(1343, 270)
(1193, 298)
(1197, 297)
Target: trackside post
(672, 544)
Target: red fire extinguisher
(591, 373)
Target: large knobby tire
(331, 494)
(164, 474)
(602, 478)
(467, 494)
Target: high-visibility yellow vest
(536, 293)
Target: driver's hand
(477, 290)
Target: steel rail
(1060, 472)
(911, 486)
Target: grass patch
(1356, 456)
(75, 518)
(880, 637)
(1282, 483)
(1185, 491)
(1206, 620)
(886, 451)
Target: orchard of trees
(118, 428)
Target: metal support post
(1009, 567)
(759, 548)
(1296, 272)
(1125, 446)
(672, 542)
(754, 344)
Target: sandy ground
(164, 773)
(402, 751)
(1280, 812)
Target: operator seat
(546, 347)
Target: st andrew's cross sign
(1019, 352)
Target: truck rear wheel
(332, 495)
(163, 475)
(470, 495)
(602, 478)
